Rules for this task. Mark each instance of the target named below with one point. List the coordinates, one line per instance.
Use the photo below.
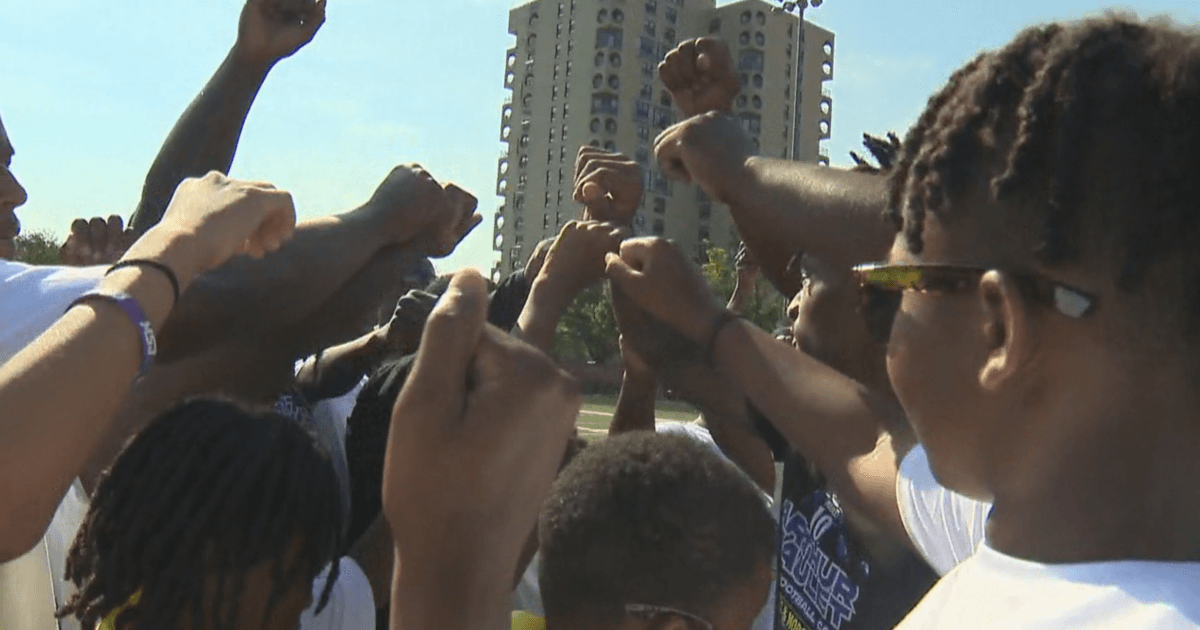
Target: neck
(1105, 486)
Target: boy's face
(825, 322)
(12, 196)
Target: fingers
(98, 231)
(669, 151)
(449, 342)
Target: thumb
(625, 277)
(704, 63)
(448, 343)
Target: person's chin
(8, 248)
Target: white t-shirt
(351, 604)
(31, 300)
(995, 591)
(945, 527)
(985, 589)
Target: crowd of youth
(985, 407)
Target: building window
(650, 28)
(714, 26)
(560, 197)
(594, 143)
(523, 161)
(554, 92)
(660, 184)
(659, 229)
(610, 146)
(558, 31)
(760, 39)
(546, 199)
(598, 81)
(756, 102)
(564, 133)
(643, 132)
(562, 153)
(602, 15)
(610, 125)
(614, 81)
(571, 27)
(608, 38)
(669, 36)
(552, 111)
(614, 59)
(568, 68)
(671, 16)
(524, 141)
(651, 7)
(648, 69)
(604, 104)
(570, 46)
(758, 81)
(665, 99)
(520, 202)
(746, 17)
(752, 123)
(705, 210)
(660, 205)
(566, 110)
(530, 43)
(641, 111)
(744, 38)
(642, 156)
(551, 140)
(618, 16)
(703, 233)
(595, 126)
(761, 18)
(751, 60)
(599, 59)
(646, 48)
(557, 50)
(663, 117)
(545, 221)
(560, 9)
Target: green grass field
(598, 411)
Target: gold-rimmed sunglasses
(882, 285)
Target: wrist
(177, 249)
(552, 291)
(250, 61)
(458, 589)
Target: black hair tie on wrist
(139, 262)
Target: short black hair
(212, 485)
(1036, 121)
(648, 518)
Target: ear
(1006, 328)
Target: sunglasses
(882, 285)
(647, 612)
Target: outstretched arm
(205, 137)
(781, 207)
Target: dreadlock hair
(885, 151)
(208, 488)
(1037, 118)
(649, 518)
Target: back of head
(208, 490)
(651, 519)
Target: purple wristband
(136, 315)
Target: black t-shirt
(826, 580)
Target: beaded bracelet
(136, 315)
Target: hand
(660, 279)
(270, 30)
(652, 343)
(478, 433)
(96, 242)
(218, 218)
(747, 267)
(710, 149)
(576, 260)
(609, 184)
(403, 331)
(411, 206)
(700, 76)
(538, 258)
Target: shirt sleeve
(945, 527)
(351, 604)
(33, 298)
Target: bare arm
(375, 554)
(635, 403)
(61, 391)
(205, 137)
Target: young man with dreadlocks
(212, 518)
(1030, 290)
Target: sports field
(598, 411)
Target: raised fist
(700, 76)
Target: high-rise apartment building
(585, 72)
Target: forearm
(743, 294)
(60, 394)
(334, 371)
(734, 433)
(250, 299)
(547, 302)
(460, 590)
(784, 207)
(204, 138)
(375, 554)
(635, 404)
(831, 419)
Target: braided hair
(1037, 122)
(885, 151)
(207, 489)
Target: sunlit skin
(12, 196)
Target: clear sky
(89, 90)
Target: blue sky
(90, 89)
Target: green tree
(588, 329)
(39, 248)
(767, 306)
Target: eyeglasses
(882, 285)
(646, 612)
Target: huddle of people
(984, 408)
